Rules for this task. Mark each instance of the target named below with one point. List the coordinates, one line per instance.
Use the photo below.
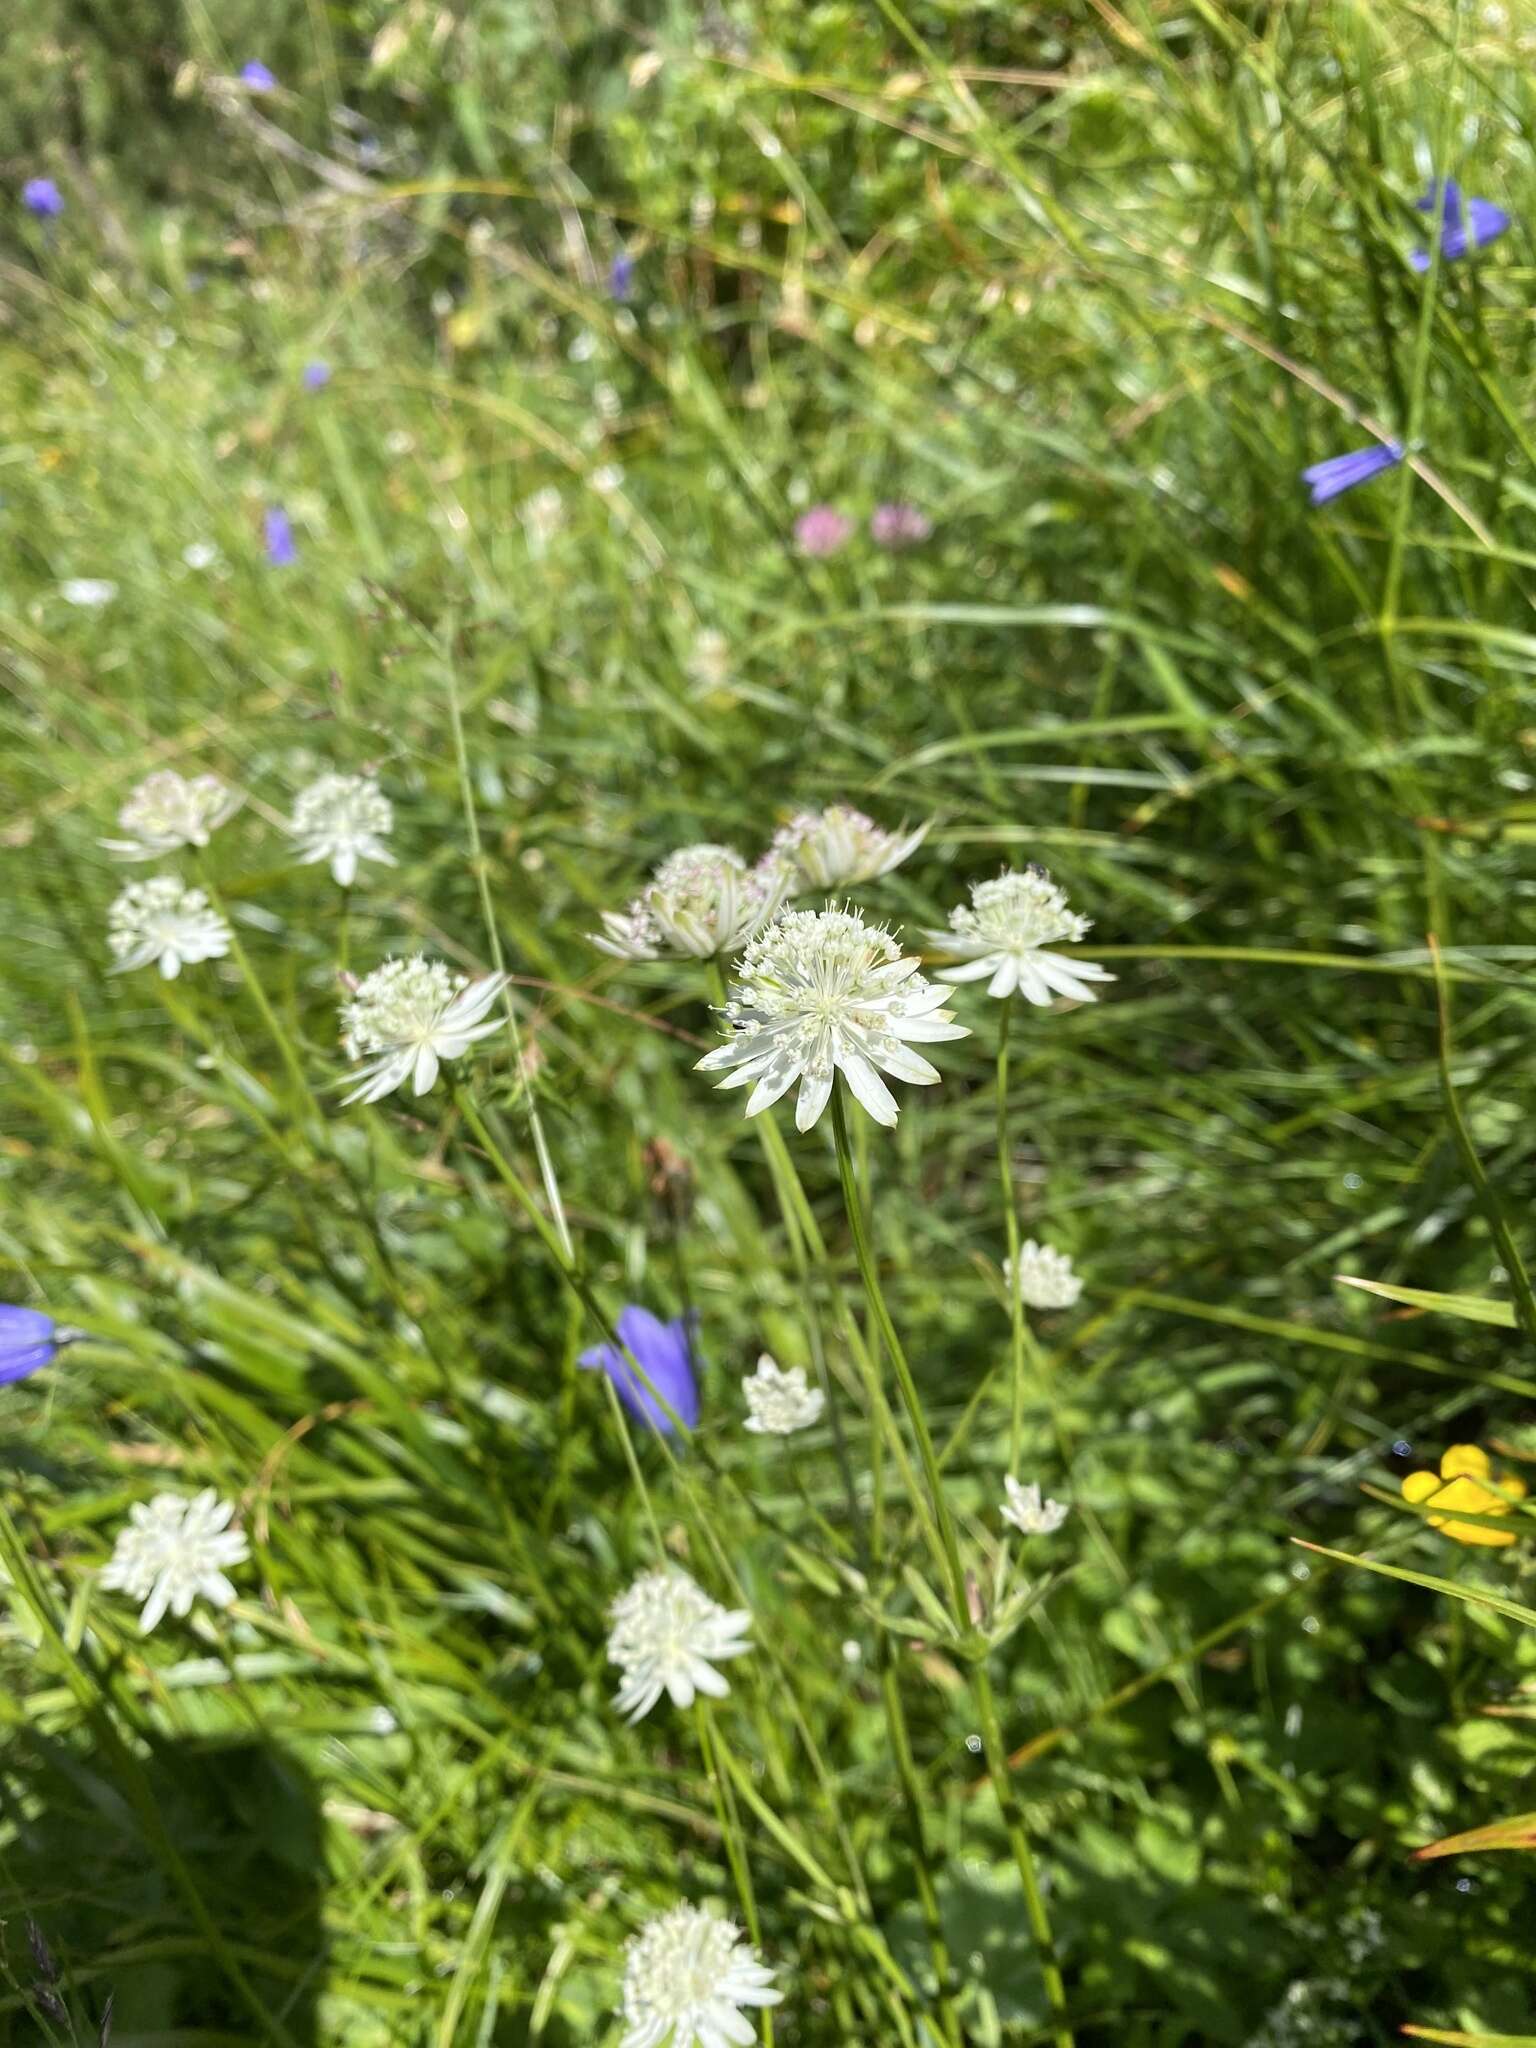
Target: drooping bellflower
(29, 1339)
(277, 531)
(1325, 480)
(1465, 224)
(42, 198)
(664, 1354)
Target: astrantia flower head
(163, 921)
(702, 901)
(407, 1017)
(342, 819)
(1003, 932)
(88, 593)
(175, 1551)
(780, 1402)
(667, 1637)
(1340, 473)
(687, 1977)
(168, 811)
(822, 992)
(839, 847)
(1465, 224)
(1028, 1512)
(1045, 1278)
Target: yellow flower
(1469, 1492)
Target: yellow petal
(1420, 1485)
(1465, 1458)
(1470, 1498)
(1513, 1486)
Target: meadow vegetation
(1088, 287)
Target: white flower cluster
(702, 901)
(161, 920)
(667, 1637)
(1003, 933)
(839, 847)
(175, 1551)
(168, 811)
(407, 1017)
(343, 819)
(1026, 1510)
(1045, 1278)
(779, 1403)
(687, 1977)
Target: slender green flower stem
(1011, 1223)
(922, 1857)
(981, 1683)
(729, 1819)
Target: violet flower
(822, 530)
(256, 77)
(42, 198)
(899, 526)
(316, 376)
(281, 551)
(29, 1339)
(1339, 473)
(621, 277)
(664, 1354)
(1465, 224)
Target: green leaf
(1474, 1595)
(1472, 1308)
(1517, 1832)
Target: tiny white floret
(1028, 1512)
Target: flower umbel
(1045, 1278)
(820, 992)
(173, 1552)
(1004, 932)
(702, 901)
(664, 1358)
(163, 921)
(1466, 1483)
(167, 811)
(839, 846)
(407, 1017)
(1025, 1509)
(687, 1977)
(780, 1402)
(667, 1637)
(342, 819)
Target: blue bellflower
(28, 1341)
(256, 77)
(1326, 480)
(664, 1353)
(42, 198)
(281, 552)
(1466, 224)
(316, 376)
(621, 277)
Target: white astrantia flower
(163, 921)
(168, 811)
(687, 1977)
(702, 900)
(1004, 931)
(1029, 1513)
(839, 846)
(667, 1637)
(780, 1402)
(820, 992)
(342, 819)
(407, 1017)
(1045, 1277)
(175, 1551)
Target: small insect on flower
(1045, 1277)
(1340, 473)
(838, 848)
(667, 1637)
(664, 1355)
(29, 1340)
(167, 811)
(1466, 1484)
(1465, 224)
(822, 531)
(343, 819)
(407, 1017)
(702, 901)
(316, 376)
(780, 1402)
(687, 1978)
(1026, 1510)
(42, 198)
(1004, 932)
(175, 1551)
(255, 77)
(821, 992)
(277, 537)
(899, 526)
(164, 921)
